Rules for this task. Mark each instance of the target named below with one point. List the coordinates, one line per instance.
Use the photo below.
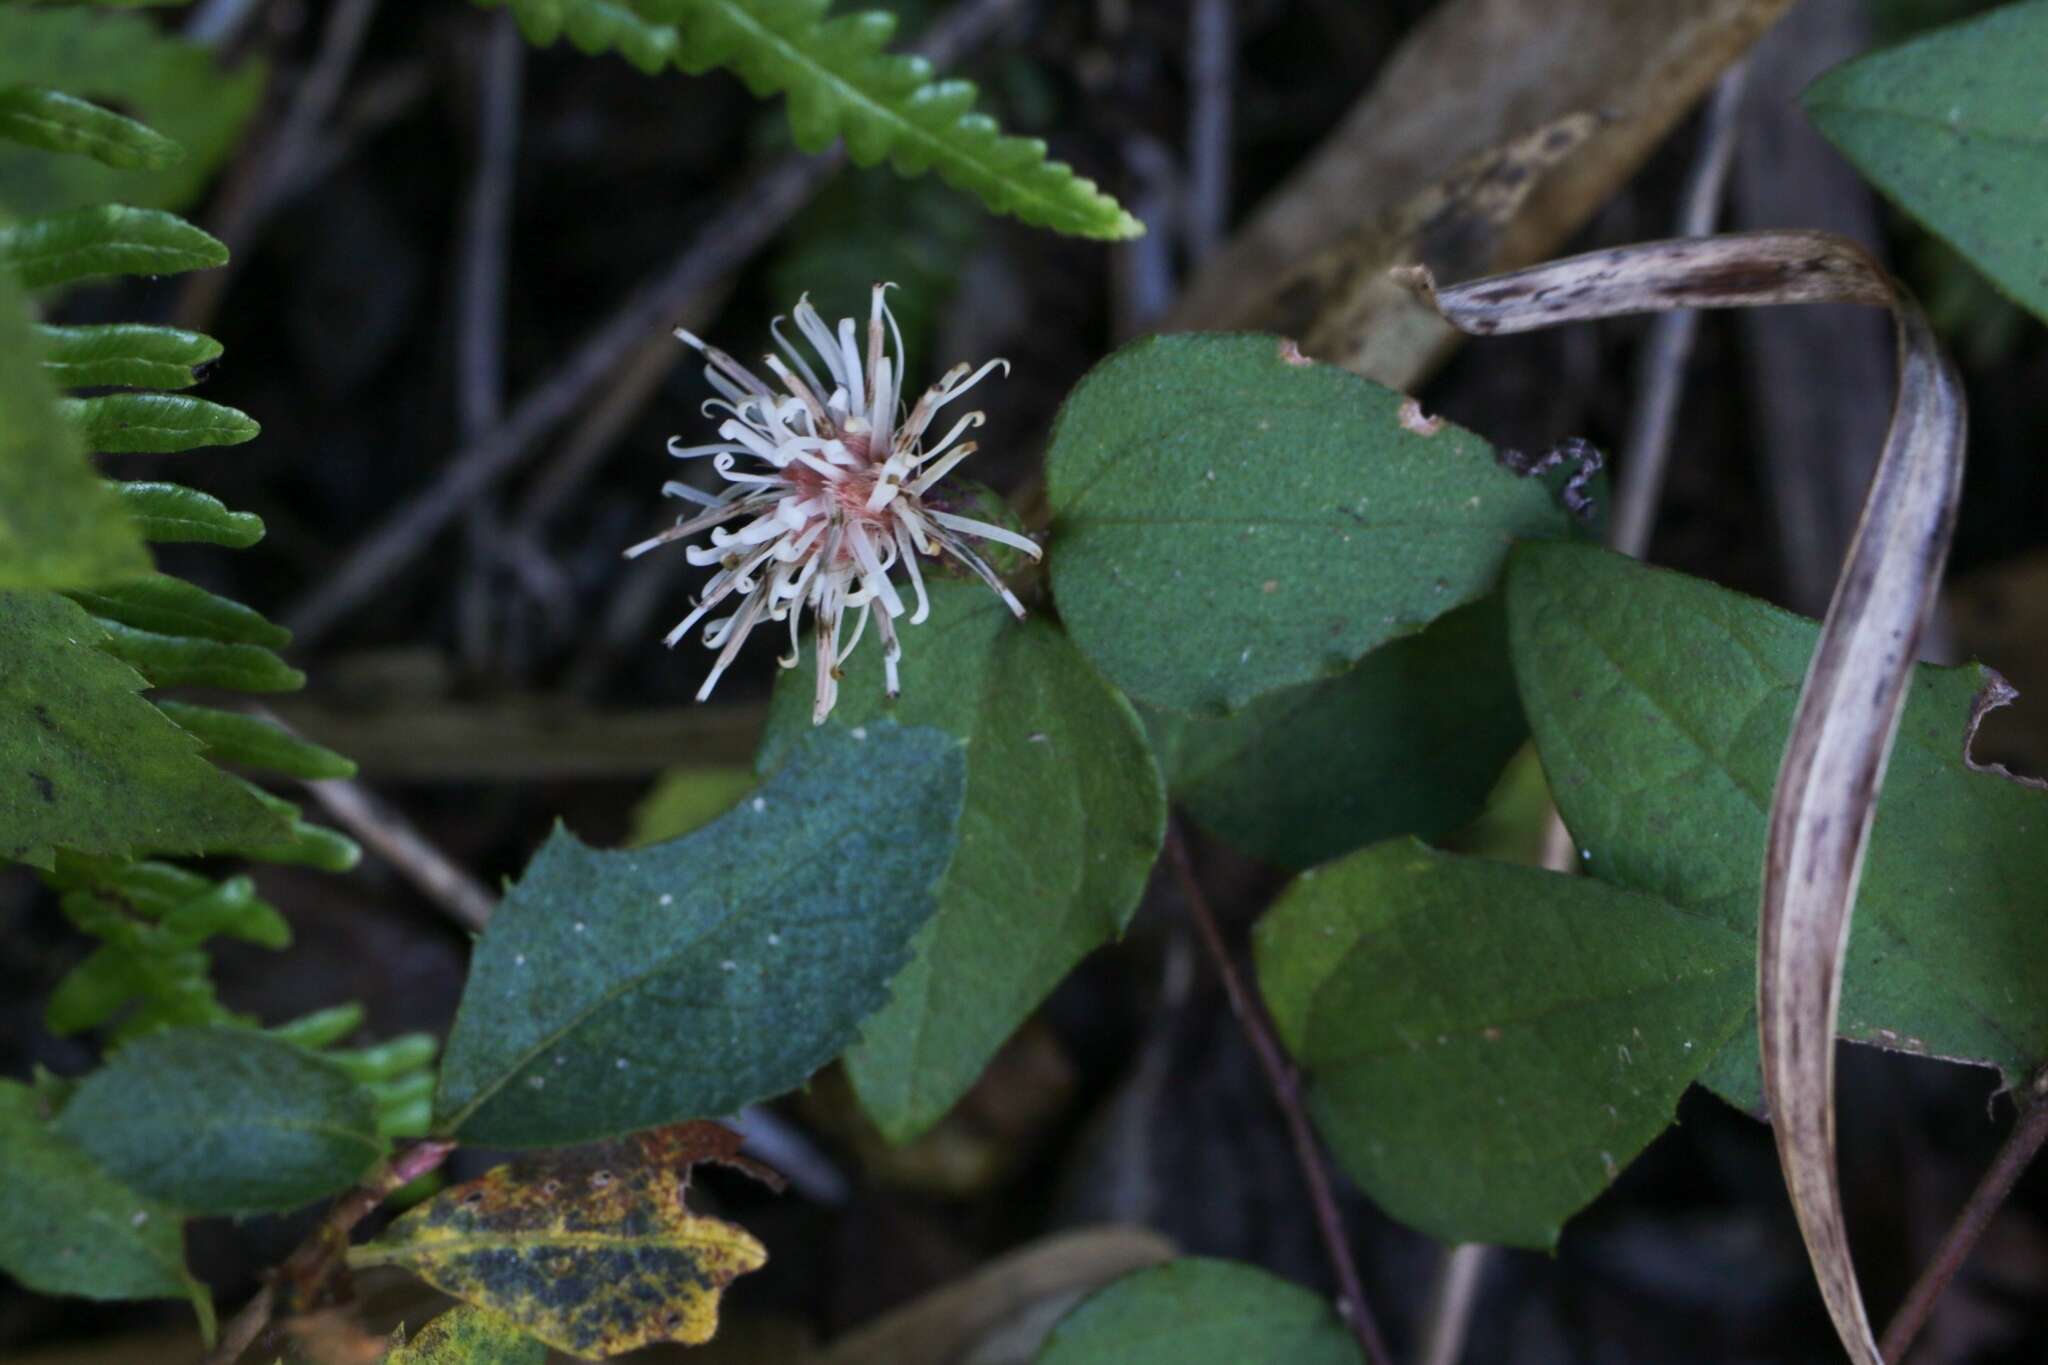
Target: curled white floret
(826, 479)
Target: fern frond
(155, 423)
(171, 514)
(126, 355)
(106, 239)
(841, 83)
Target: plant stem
(312, 1266)
(1285, 1082)
(2027, 1135)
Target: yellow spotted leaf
(592, 1250)
(468, 1335)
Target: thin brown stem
(2021, 1145)
(306, 1273)
(1285, 1082)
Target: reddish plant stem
(1285, 1082)
(308, 1270)
(2021, 1145)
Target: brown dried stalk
(1855, 690)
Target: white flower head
(828, 477)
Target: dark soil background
(1132, 1096)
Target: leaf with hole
(1229, 522)
(1661, 703)
(1064, 817)
(619, 990)
(1487, 1045)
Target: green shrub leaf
(1487, 1044)
(107, 239)
(59, 525)
(87, 764)
(1196, 1311)
(178, 88)
(57, 122)
(224, 1121)
(1661, 703)
(1229, 523)
(1063, 819)
(67, 1227)
(617, 991)
(169, 513)
(1950, 127)
(154, 423)
(1411, 741)
(126, 355)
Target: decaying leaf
(592, 1250)
(468, 1335)
(1855, 691)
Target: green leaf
(155, 423)
(1661, 705)
(253, 742)
(595, 26)
(1486, 1044)
(172, 606)
(178, 88)
(1064, 817)
(59, 525)
(57, 122)
(841, 84)
(126, 355)
(615, 991)
(1950, 127)
(104, 240)
(67, 1227)
(1196, 1311)
(169, 512)
(186, 661)
(468, 1335)
(1229, 523)
(1410, 741)
(87, 764)
(685, 800)
(224, 1121)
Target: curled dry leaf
(1855, 689)
(592, 1250)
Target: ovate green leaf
(68, 1227)
(1486, 1044)
(1064, 817)
(1950, 126)
(60, 527)
(615, 991)
(1661, 704)
(57, 122)
(87, 764)
(1229, 522)
(179, 88)
(1408, 742)
(1196, 1311)
(224, 1121)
